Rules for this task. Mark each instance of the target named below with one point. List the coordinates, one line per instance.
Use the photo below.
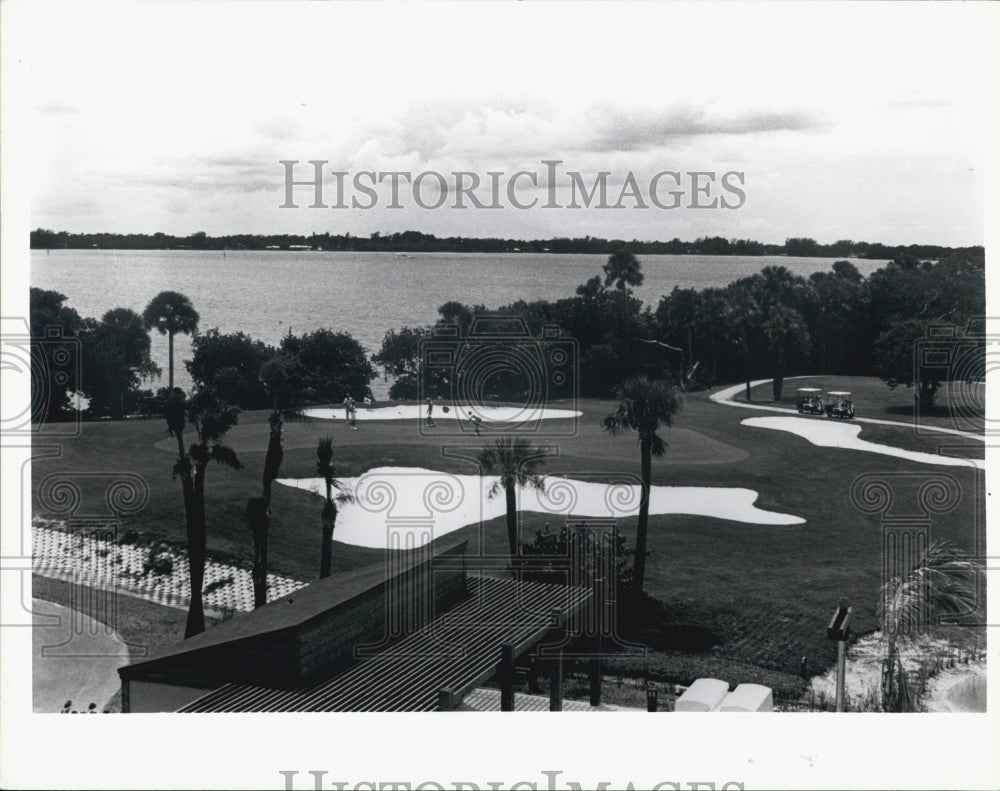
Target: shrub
(159, 562)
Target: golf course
(743, 594)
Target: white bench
(748, 697)
(705, 694)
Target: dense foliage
(108, 362)
(318, 367)
(770, 325)
(913, 323)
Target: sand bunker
(437, 503)
(828, 434)
(498, 414)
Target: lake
(269, 293)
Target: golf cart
(809, 400)
(839, 404)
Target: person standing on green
(430, 413)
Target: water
(267, 294)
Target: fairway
(761, 592)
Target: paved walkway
(725, 396)
(74, 658)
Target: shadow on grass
(659, 627)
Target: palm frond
(943, 581)
(658, 445)
(225, 455)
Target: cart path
(725, 396)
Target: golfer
(430, 413)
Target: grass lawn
(758, 597)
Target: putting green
(687, 446)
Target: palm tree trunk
(779, 371)
(329, 521)
(642, 529)
(745, 349)
(511, 494)
(326, 557)
(170, 363)
(196, 553)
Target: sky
(855, 121)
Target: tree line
(108, 362)
(415, 242)
(772, 324)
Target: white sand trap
(827, 434)
(424, 502)
(498, 414)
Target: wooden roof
(289, 613)
(458, 651)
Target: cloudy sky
(854, 121)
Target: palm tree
(623, 269)
(211, 419)
(260, 515)
(779, 295)
(170, 313)
(742, 318)
(943, 581)
(324, 466)
(516, 463)
(644, 405)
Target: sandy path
(958, 688)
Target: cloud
(279, 128)
(57, 108)
(917, 102)
(618, 128)
(220, 174)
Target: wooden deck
(432, 668)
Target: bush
(159, 562)
(547, 558)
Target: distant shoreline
(410, 242)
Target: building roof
(457, 651)
(292, 611)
